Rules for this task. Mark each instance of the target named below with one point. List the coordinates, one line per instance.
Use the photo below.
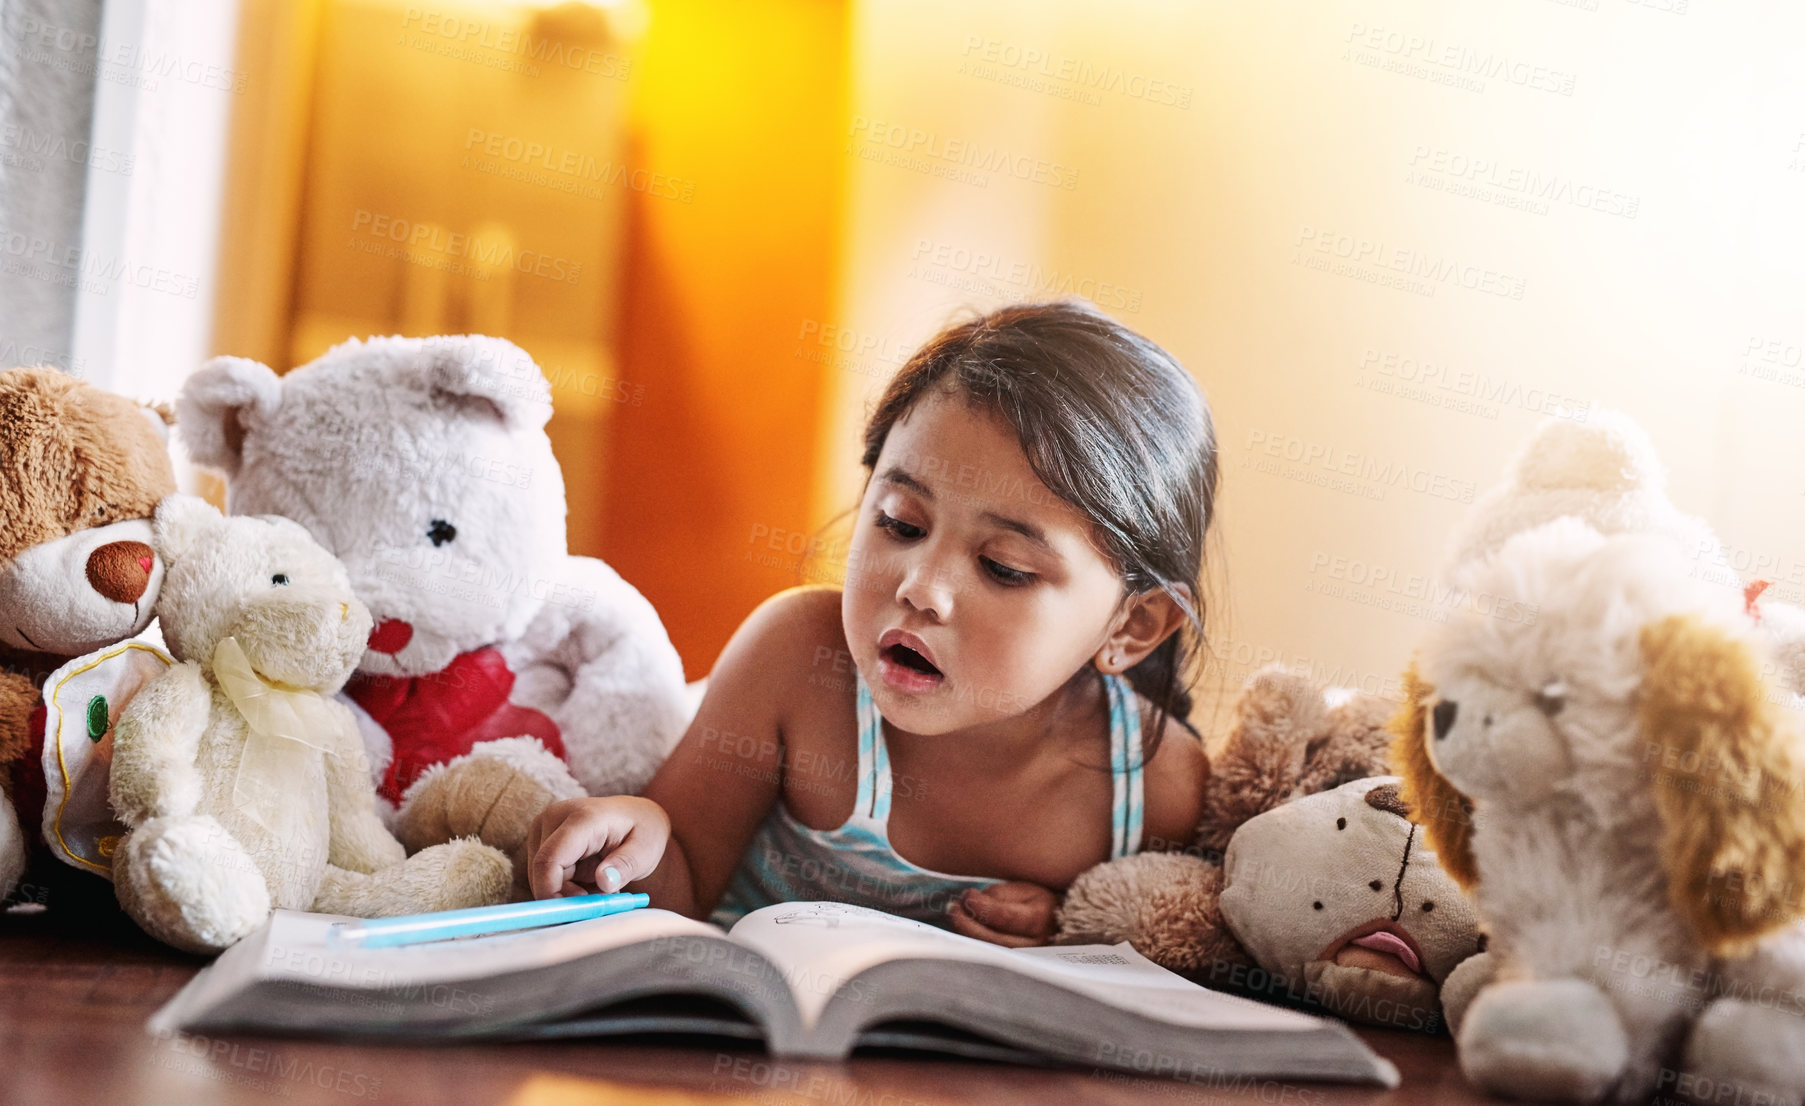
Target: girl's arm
(681, 842)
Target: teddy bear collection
(1578, 844)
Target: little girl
(996, 700)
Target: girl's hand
(1015, 914)
(584, 846)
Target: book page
(818, 946)
(296, 949)
(1122, 977)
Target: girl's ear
(1726, 783)
(1445, 814)
(1148, 620)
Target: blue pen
(414, 929)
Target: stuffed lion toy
(1610, 775)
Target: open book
(814, 979)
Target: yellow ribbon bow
(285, 726)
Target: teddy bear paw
(1745, 1051)
(1544, 1040)
(189, 883)
(493, 793)
(450, 876)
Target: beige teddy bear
(81, 472)
(1305, 881)
(243, 782)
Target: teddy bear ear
(1437, 805)
(161, 417)
(180, 522)
(492, 374)
(219, 404)
(1727, 783)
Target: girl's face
(972, 593)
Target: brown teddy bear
(1306, 882)
(81, 473)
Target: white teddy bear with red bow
(502, 673)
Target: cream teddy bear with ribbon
(243, 783)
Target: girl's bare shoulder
(798, 629)
(768, 661)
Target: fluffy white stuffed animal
(502, 673)
(243, 783)
(1603, 470)
(1622, 792)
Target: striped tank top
(790, 862)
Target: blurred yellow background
(1387, 238)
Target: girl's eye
(898, 528)
(1014, 577)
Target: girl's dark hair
(1113, 426)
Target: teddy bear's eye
(100, 511)
(1341, 823)
(279, 579)
(441, 532)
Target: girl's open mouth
(903, 663)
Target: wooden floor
(76, 987)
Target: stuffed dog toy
(1621, 791)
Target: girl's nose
(928, 589)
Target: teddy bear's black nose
(1444, 718)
